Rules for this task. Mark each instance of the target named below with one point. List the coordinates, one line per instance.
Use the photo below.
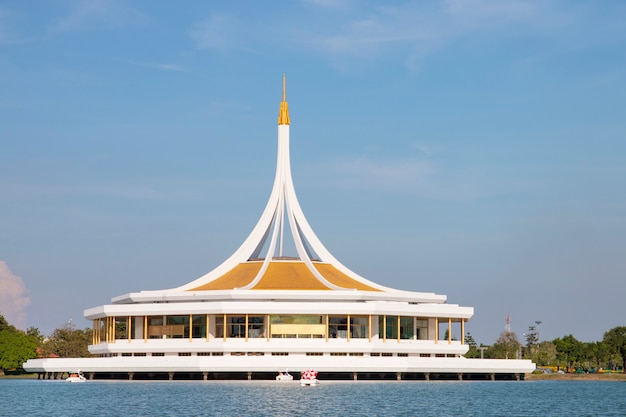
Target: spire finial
(284, 88)
(283, 113)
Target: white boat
(76, 377)
(286, 376)
(308, 377)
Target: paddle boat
(284, 376)
(76, 377)
(308, 377)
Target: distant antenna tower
(507, 328)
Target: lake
(27, 397)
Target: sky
(471, 148)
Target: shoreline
(527, 377)
(576, 377)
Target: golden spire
(283, 113)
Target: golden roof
(283, 275)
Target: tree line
(18, 346)
(565, 352)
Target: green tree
(532, 337)
(68, 342)
(506, 347)
(615, 340)
(16, 347)
(4, 324)
(472, 352)
(35, 334)
(587, 359)
(568, 351)
(445, 336)
(545, 354)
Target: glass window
(359, 327)
(256, 326)
(295, 319)
(100, 330)
(388, 327)
(155, 327)
(406, 327)
(177, 327)
(198, 326)
(236, 326)
(121, 326)
(422, 329)
(297, 326)
(338, 327)
(219, 326)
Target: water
(268, 398)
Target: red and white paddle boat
(308, 377)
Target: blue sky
(470, 148)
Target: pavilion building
(262, 311)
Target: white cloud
(416, 176)
(14, 297)
(169, 67)
(165, 67)
(330, 4)
(217, 32)
(364, 173)
(157, 190)
(418, 28)
(344, 30)
(427, 150)
(87, 14)
(479, 10)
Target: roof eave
(326, 295)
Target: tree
(67, 342)
(568, 350)
(4, 324)
(545, 354)
(35, 334)
(446, 334)
(532, 337)
(615, 340)
(16, 347)
(506, 347)
(473, 350)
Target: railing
(167, 330)
(308, 330)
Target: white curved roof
(259, 269)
